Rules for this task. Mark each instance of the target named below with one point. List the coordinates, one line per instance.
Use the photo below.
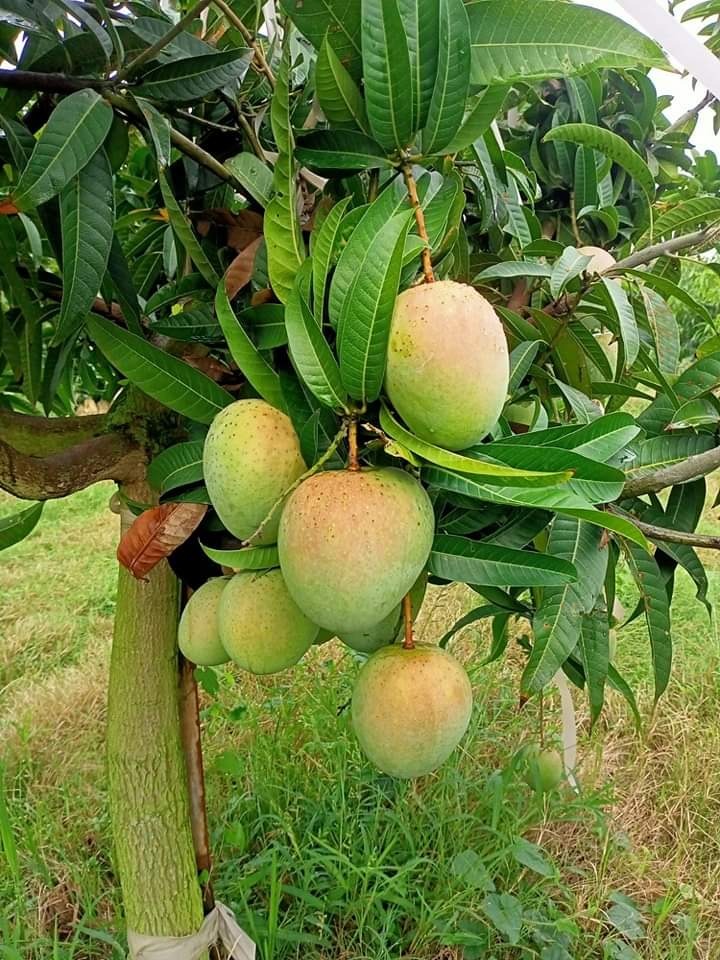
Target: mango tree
(227, 205)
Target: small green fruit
(545, 769)
(198, 632)
(261, 627)
(410, 708)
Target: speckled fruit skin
(447, 368)
(198, 632)
(410, 709)
(352, 543)
(392, 627)
(261, 627)
(601, 259)
(545, 769)
(252, 454)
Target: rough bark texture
(147, 775)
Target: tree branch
(28, 434)
(687, 116)
(48, 82)
(692, 468)
(258, 53)
(665, 534)
(641, 257)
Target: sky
(680, 88)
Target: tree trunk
(147, 776)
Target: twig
(334, 444)
(262, 64)
(687, 116)
(409, 640)
(420, 220)
(665, 534)
(48, 82)
(697, 466)
(641, 257)
(573, 219)
(150, 52)
(353, 461)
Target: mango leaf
(346, 150)
(192, 78)
(339, 96)
(620, 305)
(521, 359)
(185, 235)
(194, 323)
(526, 40)
(253, 365)
(322, 253)
(421, 21)
(338, 20)
(389, 95)
(594, 649)
(87, 208)
(478, 121)
(569, 265)
(17, 526)
(665, 331)
(310, 351)
(469, 465)
(71, 137)
(610, 145)
(364, 327)
(122, 282)
(685, 217)
(452, 80)
(558, 619)
(514, 268)
(244, 558)
(664, 451)
(461, 560)
(656, 606)
(600, 440)
(185, 44)
(668, 290)
(163, 377)
(254, 176)
(156, 533)
(177, 466)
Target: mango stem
(420, 220)
(353, 461)
(409, 640)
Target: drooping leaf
(71, 137)
(177, 466)
(452, 80)
(621, 307)
(184, 232)
(342, 150)
(611, 145)
(244, 558)
(656, 606)
(88, 213)
(156, 533)
(255, 176)
(594, 649)
(192, 78)
(685, 217)
(338, 20)
(339, 96)
(322, 254)
(471, 561)
(160, 375)
(386, 74)
(17, 526)
(484, 109)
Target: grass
(320, 856)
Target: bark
(149, 802)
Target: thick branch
(111, 456)
(692, 468)
(47, 435)
(667, 247)
(666, 535)
(48, 82)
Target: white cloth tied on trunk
(218, 927)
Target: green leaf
(421, 21)
(619, 683)
(338, 20)
(323, 250)
(656, 606)
(610, 145)
(339, 96)
(463, 464)
(255, 176)
(594, 649)
(452, 80)
(622, 309)
(600, 440)
(122, 282)
(74, 133)
(311, 353)
(608, 521)
(514, 268)
(192, 78)
(685, 217)
(159, 130)
(531, 856)
(177, 466)
(185, 235)
(386, 74)
(527, 40)
(87, 208)
(17, 526)
(668, 290)
(471, 561)
(163, 377)
(193, 323)
(478, 121)
(521, 359)
(346, 150)
(503, 910)
(469, 867)
(558, 619)
(665, 331)
(253, 365)
(267, 325)
(364, 327)
(244, 558)
(665, 451)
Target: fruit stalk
(409, 641)
(353, 460)
(428, 274)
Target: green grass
(320, 856)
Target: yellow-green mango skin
(261, 627)
(198, 632)
(448, 366)
(411, 708)
(352, 543)
(601, 259)
(545, 769)
(251, 456)
(392, 627)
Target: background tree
(191, 210)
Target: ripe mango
(261, 627)
(251, 456)
(410, 708)
(447, 367)
(198, 631)
(392, 627)
(352, 543)
(601, 259)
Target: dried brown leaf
(156, 533)
(240, 271)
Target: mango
(447, 367)
(198, 631)
(261, 627)
(352, 543)
(392, 627)
(545, 769)
(410, 708)
(251, 457)
(601, 259)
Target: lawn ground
(321, 857)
